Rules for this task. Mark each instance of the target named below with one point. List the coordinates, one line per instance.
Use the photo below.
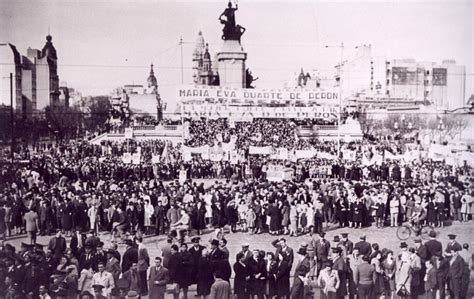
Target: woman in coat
(431, 212)
(269, 273)
(67, 218)
(402, 274)
(285, 215)
(274, 214)
(293, 220)
(389, 267)
(242, 276)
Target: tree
(96, 113)
(63, 122)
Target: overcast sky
(105, 44)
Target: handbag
(403, 292)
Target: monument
(231, 59)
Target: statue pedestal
(231, 64)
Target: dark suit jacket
(364, 248)
(130, 256)
(57, 246)
(287, 253)
(434, 248)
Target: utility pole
(340, 104)
(12, 124)
(182, 74)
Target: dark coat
(257, 279)
(275, 218)
(282, 279)
(241, 279)
(204, 276)
(364, 248)
(455, 274)
(434, 248)
(130, 256)
(185, 273)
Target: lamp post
(341, 46)
(440, 129)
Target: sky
(104, 44)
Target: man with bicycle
(418, 216)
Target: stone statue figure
(249, 79)
(231, 30)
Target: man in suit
(87, 258)
(132, 277)
(456, 269)
(103, 278)
(31, 225)
(433, 246)
(157, 280)
(113, 265)
(245, 250)
(301, 270)
(321, 249)
(130, 256)
(346, 243)
(57, 244)
(363, 246)
(220, 289)
(453, 244)
(364, 277)
(340, 266)
(195, 251)
(285, 250)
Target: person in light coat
(149, 211)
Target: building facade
(36, 80)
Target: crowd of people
(82, 267)
(80, 190)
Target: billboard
(406, 76)
(440, 76)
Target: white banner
(305, 154)
(255, 96)
(250, 112)
(136, 158)
(279, 154)
(349, 155)
(260, 150)
(127, 158)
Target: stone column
(231, 64)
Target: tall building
(442, 85)
(36, 80)
(204, 69)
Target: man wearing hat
(130, 255)
(321, 249)
(346, 243)
(285, 250)
(98, 291)
(57, 244)
(363, 246)
(112, 264)
(453, 244)
(457, 269)
(246, 252)
(433, 246)
(302, 268)
(339, 265)
(195, 251)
